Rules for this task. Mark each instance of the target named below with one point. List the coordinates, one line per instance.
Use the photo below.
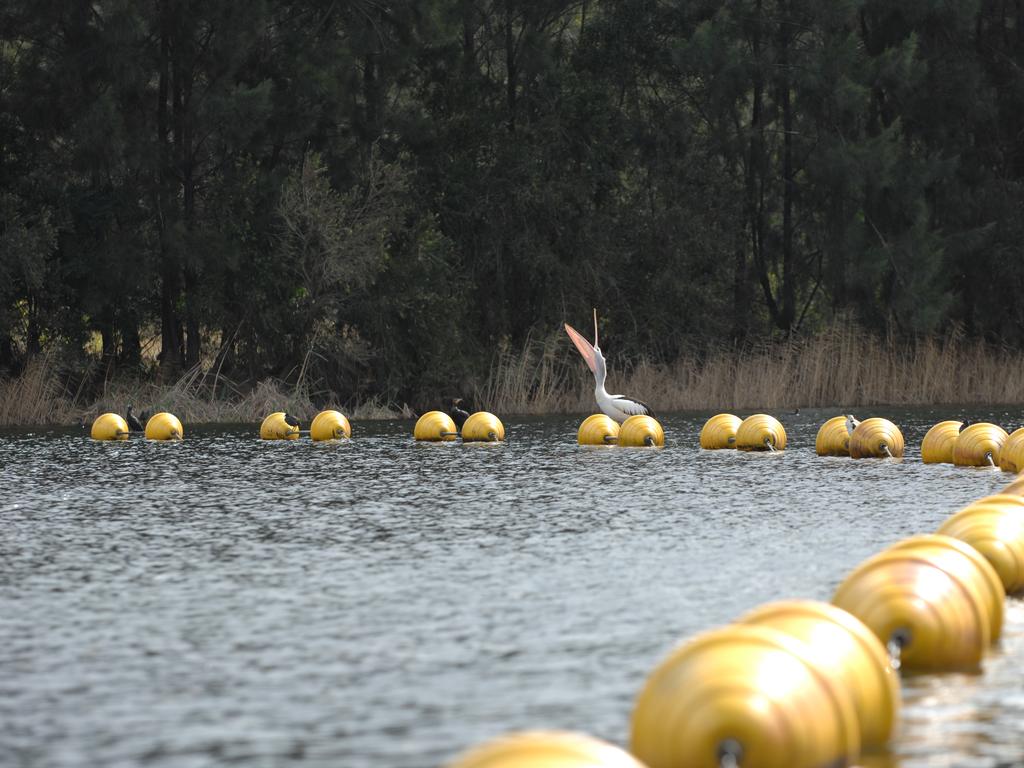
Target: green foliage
(373, 198)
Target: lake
(377, 602)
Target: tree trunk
(170, 287)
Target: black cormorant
(134, 425)
(458, 415)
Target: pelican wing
(632, 407)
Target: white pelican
(618, 407)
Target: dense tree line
(378, 195)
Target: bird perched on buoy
(618, 407)
(134, 425)
(459, 415)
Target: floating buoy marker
(435, 427)
(483, 427)
(164, 426)
(598, 429)
(279, 426)
(109, 426)
(330, 425)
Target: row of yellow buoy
(873, 438)
(635, 432)
(804, 684)
(160, 426)
(759, 432)
(480, 427)
(977, 445)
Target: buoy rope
(885, 447)
(768, 443)
(611, 438)
(446, 433)
(988, 458)
(648, 440)
(493, 436)
(730, 753)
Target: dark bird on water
(458, 415)
(134, 425)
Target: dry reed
(839, 367)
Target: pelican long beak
(584, 346)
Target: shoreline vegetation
(840, 367)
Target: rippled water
(382, 603)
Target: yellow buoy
(276, 427)
(849, 652)
(164, 426)
(109, 426)
(483, 427)
(330, 425)
(760, 432)
(876, 439)
(1016, 488)
(1011, 455)
(598, 429)
(833, 438)
(720, 432)
(638, 431)
(978, 445)
(937, 446)
(937, 622)
(997, 532)
(968, 565)
(546, 749)
(434, 427)
(748, 691)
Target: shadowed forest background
(397, 202)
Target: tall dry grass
(841, 366)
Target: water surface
(227, 601)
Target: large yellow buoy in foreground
(435, 426)
(833, 438)
(638, 431)
(598, 429)
(978, 445)
(1011, 455)
(876, 439)
(109, 426)
(760, 432)
(483, 427)
(849, 652)
(164, 426)
(330, 425)
(937, 446)
(966, 564)
(546, 749)
(1016, 488)
(751, 692)
(276, 427)
(720, 432)
(997, 532)
(937, 622)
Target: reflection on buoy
(435, 426)
(748, 693)
(967, 565)
(997, 532)
(833, 438)
(164, 426)
(279, 426)
(849, 652)
(638, 431)
(760, 432)
(483, 427)
(937, 446)
(330, 425)
(1011, 455)
(876, 439)
(720, 432)
(978, 445)
(545, 749)
(598, 429)
(926, 615)
(109, 426)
